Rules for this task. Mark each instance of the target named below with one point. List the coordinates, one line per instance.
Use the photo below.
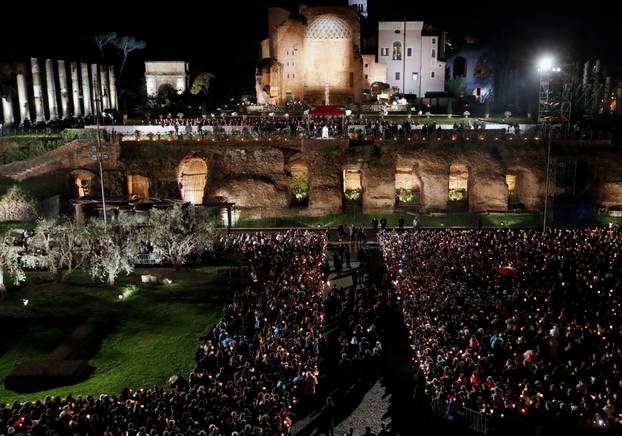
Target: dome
(328, 27)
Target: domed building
(314, 54)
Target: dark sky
(223, 37)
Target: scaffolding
(555, 100)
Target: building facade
(413, 53)
(313, 56)
(174, 73)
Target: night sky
(224, 39)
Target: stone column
(22, 97)
(37, 90)
(112, 84)
(75, 89)
(103, 75)
(7, 110)
(86, 90)
(64, 90)
(51, 85)
(96, 90)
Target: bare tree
(103, 39)
(9, 263)
(127, 44)
(179, 233)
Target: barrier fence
(474, 420)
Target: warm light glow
(192, 179)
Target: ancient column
(112, 85)
(103, 75)
(75, 89)
(86, 90)
(64, 91)
(51, 85)
(37, 91)
(22, 97)
(97, 104)
(7, 110)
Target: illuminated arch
(192, 178)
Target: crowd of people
(521, 326)
(252, 370)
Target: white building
(411, 52)
(361, 5)
(174, 73)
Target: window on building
(433, 41)
(432, 74)
(397, 51)
(433, 53)
(366, 77)
(293, 76)
(397, 75)
(351, 79)
(384, 51)
(366, 65)
(409, 51)
(415, 76)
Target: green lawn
(155, 330)
(449, 220)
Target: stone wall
(256, 175)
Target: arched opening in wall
(192, 177)
(299, 185)
(137, 187)
(83, 183)
(407, 187)
(460, 67)
(397, 51)
(352, 188)
(458, 188)
(512, 182)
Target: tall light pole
(546, 65)
(100, 156)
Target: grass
(156, 329)
(449, 220)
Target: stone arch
(83, 182)
(526, 191)
(459, 67)
(458, 186)
(408, 184)
(192, 179)
(352, 183)
(137, 186)
(300, 183)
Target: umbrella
(508, 271)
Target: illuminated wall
(192, 177)
(458, 179)
(138, 186)
(352, 180)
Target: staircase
(71, 155)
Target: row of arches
(192, 180)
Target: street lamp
(546, 65)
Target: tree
(66, 245)
(103, 39)
(9, 263)
(115, 249)
(17, 205)
(202, 84)
(179, 233)
(127, 44)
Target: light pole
(100, 156)
(546, 66)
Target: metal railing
(474, 420)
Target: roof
(327, 111)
